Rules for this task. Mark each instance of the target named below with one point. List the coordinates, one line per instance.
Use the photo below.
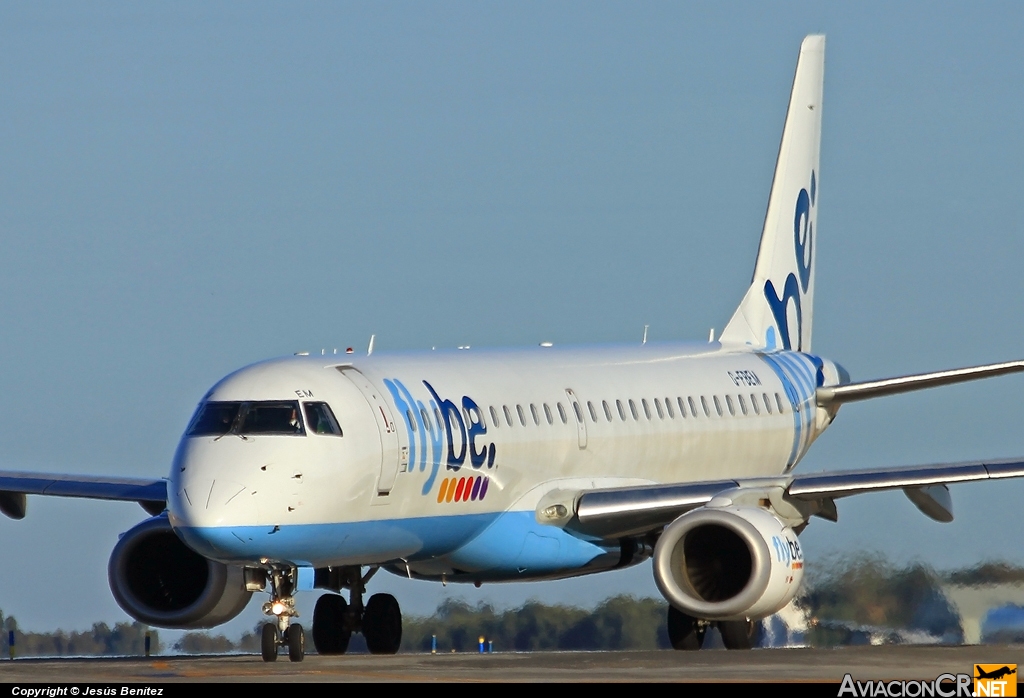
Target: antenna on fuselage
(369, 349)
(645, 334)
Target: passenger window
(668, 406)
(536, 416)
(426, 418)
(321, 420)
(561, 414)
(522, 415)
(547, 414)
(408, 416)
(718, 405)
(508, 415)
(579, 413)
(767, 402)
(607, 410)
(632, 408)
(753, 403)
(593, 412)
(647, 408)
(704, 404)
(437, 416)
(693, 407)
(622, 412)
(778, 401)
(494, 417)
(728, 403)
(657, 406)
(682, 408)
(743, 405)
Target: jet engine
(158, 580)
(728, 563)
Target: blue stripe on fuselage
(501, 544)
(797, 375)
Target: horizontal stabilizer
(852, 392)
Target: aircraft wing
(151, 494)
(614, 513)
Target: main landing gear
(687, 633)
(334, 621)
(282, 632)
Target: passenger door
(386, 427)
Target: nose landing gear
(334, 621)
(282, 632)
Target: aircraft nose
(205, 502)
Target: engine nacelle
(158, 580)
(728, 563)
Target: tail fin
(778, 308)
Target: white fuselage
(444, 456)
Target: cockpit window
(214, 419)
(320, 418)
(270, 417)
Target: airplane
(316, 471)
(994, 674)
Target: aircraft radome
(314, 472)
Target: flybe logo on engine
(797, 284)
(788, 552)
(439, 431)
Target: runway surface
(882, 662)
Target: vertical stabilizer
(778, 308)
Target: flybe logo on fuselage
(439, 431)
(797, 284)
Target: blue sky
(186, 189)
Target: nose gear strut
(282, 632)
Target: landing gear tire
(295, 638)
(739, 634)
(684, 632)
(268, 642)
(382, 624)
(330, 636)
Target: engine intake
(159, 580)
(728, 563)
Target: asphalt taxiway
(881, 662)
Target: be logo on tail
(777, 310)
(794, 288)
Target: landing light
(555, 511)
